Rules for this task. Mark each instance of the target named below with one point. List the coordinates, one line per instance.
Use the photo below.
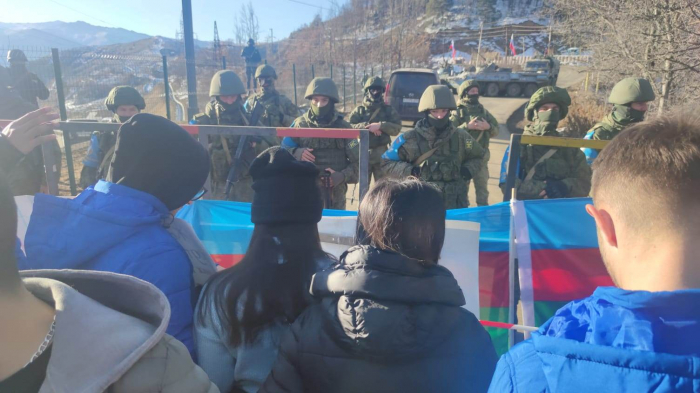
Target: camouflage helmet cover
(631, 90)
(466, 85)
(322, 87)
(265, 71)
(226, 83)
(437, 97)
(548, 95)
(124, 95)
(376, 82)
(16, 56)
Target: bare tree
(655, 39)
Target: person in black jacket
(252, 60)
(390, 318)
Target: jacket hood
(105, 322)
(649, 338)
(66, 233)
(387, 306)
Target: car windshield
(416, 83)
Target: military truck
(495, 81)
(546, 65)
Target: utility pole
(523, 39)
(216, 45)
(507, 46)
(192, 107)
(549, 40)
(478, 51)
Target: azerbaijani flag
(558, 255)
(512, 46)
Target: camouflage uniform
(341, 155)
(468, 110)
(566, 169)
(376, 111)
(101, 149)
(218, 113)
(451, 165)
(25, 83)
(622, 96)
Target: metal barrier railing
(69, 128)
(517, 140)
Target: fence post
(364, 163)
(344, 96)
(166, 83)
(597, 82)
(512, 166)
(354, 85)
(313, 74)
(66, 135)
(585, 88)
(294, 77)
(331, 71)
(223, 62)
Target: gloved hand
(466, 174)
(416, 171)
(556, 189)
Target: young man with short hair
(642, 335)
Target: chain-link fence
(87, 75)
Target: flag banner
(512, 46)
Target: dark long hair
(403, 216)
(273, 277)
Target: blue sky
(162, 17)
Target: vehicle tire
(514, 90)
(530, 89)
(492, 90)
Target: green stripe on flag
(546, 310)
(499, 337)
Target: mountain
(64, 35)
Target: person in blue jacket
(644, 334)
(120, 225)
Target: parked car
(405, 87)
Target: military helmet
(437, 97)
(376, 82)
(631, 90)
(466, 85)
(124, 95)
(16, 56)
(265, 71)
(548, 95)
(323, 87)
(226, 83)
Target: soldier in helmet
(124, 102)
(337, 159)
(380, 119)
(543, 171)
(482, 126)
(25, 83)
(226, 108)
(252, 58)
(630, 98)
(279, 110)
(435, 150)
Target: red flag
(454, 50)
(512, 46)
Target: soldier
(337, 159)
(482, 126)
(544, 171)
(25, 83)
(226, 108)
(252, 58)
(279, 110)
(380, 119)
(435, 150)
(124, 102)
(630, 98)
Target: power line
(310, 5)
(82, 13)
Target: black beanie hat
(157, 156)
(286, 190)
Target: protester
(120, 225)
(390, 318)
(642, 335)
(245, 310)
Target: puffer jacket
(386, 323)
(614, 341)
(110, 336)
(114, 228)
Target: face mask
(546, 122)
(549, 117)
(473, 99)
(375, 97)
(439, 123)
(624, 115)
(322, 111)
(123, 119)
(228, 107)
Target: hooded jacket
(613, 341)
(118, 229)
(110, 336)
(386, 323)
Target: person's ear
(605, 224)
